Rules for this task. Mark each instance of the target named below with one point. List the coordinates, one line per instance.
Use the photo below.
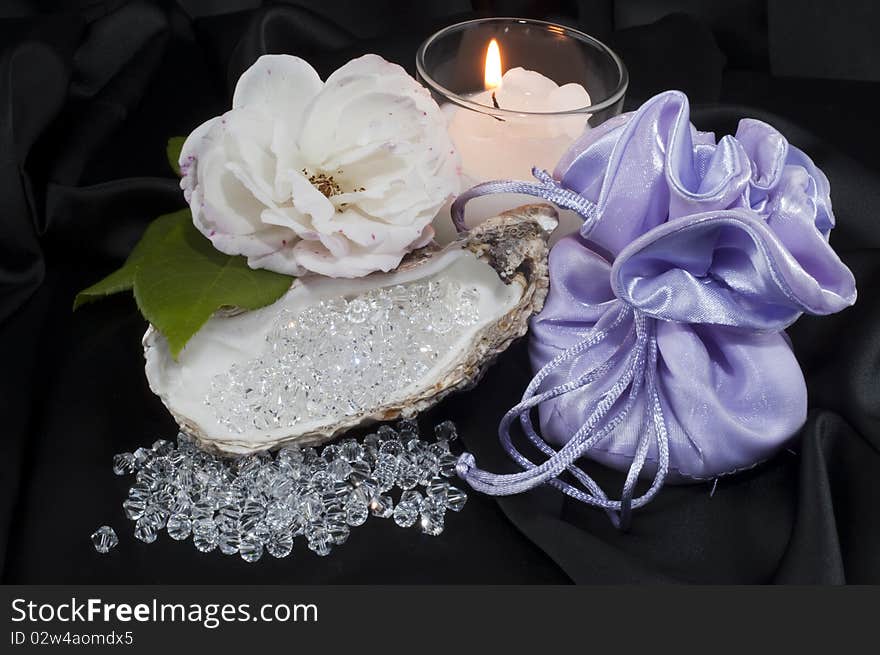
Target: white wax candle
(493, 149)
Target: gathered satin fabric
(713, 247)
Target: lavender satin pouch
(661, 343)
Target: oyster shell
(485, 285)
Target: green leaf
(179, 280)
(172, 150)
(123, 278)
(183, 280)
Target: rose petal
(227, 205)
(308, 200)
(259, 188)
(287, 159)
(281, 84)
(282, 261)
(291, 218)
(351, 87)
(257, 244)
(374, 234)
(315, 257)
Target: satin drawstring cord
(548, 189)
(639, 374)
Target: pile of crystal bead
(263, 502)
(340, 357)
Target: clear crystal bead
(408, 425)
(382, 506)
(391, 447)
(447, 465)
(386, 470)
(455, 499)
(245, 466)
(339, 469)
(446, 431)
(280, 544)
(339, 533)
(179, 527)
(290, 456)
(433, 514)
(250, 549)
(311, 508)
(147, 477)
(145, 531)
(228, 541)
(359, 470)
(408, 508)
(320, 540)
(335, 513)
(140, 491)
(162, 467)
(162, 447)
(134, 507)
(358, 310)
(439, 448)
(429, 466)
(252, 514)
(156, 515)
(364, 490)
(181, 504)
(185, 442)
(261, 532)
(140, 457)
(356, 512)
(205, 535)
(123, 464)
(409, 473)
(351, 450)
(202, 508)
(386, 432)
(336, 496)
(164, 497)
(437, 487)
(185, 477)
(228, 515)
(104, 539)
(318, 464)
(281, 487)
(268, 479)
(322, 481)
(278, 515)
(298, 526)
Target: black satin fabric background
(90, 95)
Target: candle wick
(497, 106)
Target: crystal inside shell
(333, 354)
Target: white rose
(340, 178)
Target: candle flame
(492, 76)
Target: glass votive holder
(557, 82)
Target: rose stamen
(324, 183)
(328, 185)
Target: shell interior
(334, 353)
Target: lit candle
(507, 145)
